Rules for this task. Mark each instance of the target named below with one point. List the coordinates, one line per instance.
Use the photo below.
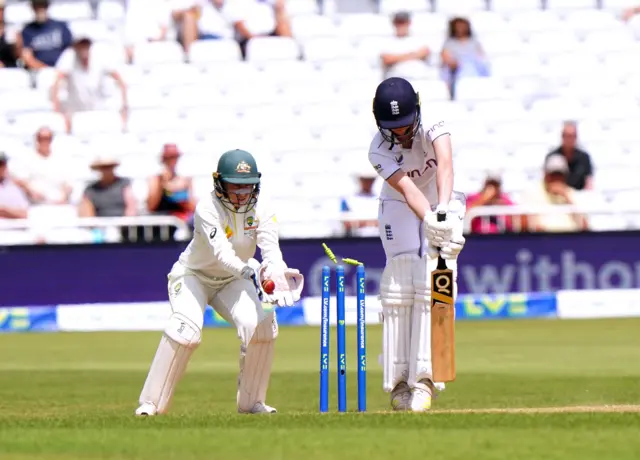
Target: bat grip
(442, 264)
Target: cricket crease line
(622, 408)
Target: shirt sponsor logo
(431, 163)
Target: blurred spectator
(257, 18)
(13, 202)
(7, 44)
(491, 195)
(84, 68)
(170, 193)
(630, 12)
(157, 20)
(43, 178)
(555, 190)
(462, 54)
(212, 20)
(405, 55)
(145, 21)
(580, 168)
(110, 195)
(44, 39)
(360, 211)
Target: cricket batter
(217, 269)
(415, 160)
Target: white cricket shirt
(418, 162)
(223, 241)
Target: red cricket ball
(268, 286)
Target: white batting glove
(452, 248)
(437, 233)
(455, 216)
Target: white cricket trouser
(236, 301)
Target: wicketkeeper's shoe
(259, 408)
(421, 396)
(401, 397)
(146, 410)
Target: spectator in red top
(169, 192)
(491, 195)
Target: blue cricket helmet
(396, 105)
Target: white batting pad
(180, 339)
(255, 364)
(396, 297)
(420, 354)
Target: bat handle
(442, 264)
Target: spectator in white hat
(360, 210)
(110, 195)
(85, 69)
(554, 190)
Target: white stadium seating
(309, 120)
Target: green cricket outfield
(525, 390)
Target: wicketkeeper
(217, 269)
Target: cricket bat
(443, 350)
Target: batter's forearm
(418, 203)
(444, 181)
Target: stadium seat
(568, 5)
(503, 43)
(269, 49)
(429, 24)
(487, 22)
(97, 30)
(452, 112)
(44, 79)
(18, 13)
(311, 26)
(581, 21)
(432, 90)
(352, 71)
(509, 6)
(472, 89)
(25, 100)
(152, 120)
(546, 42)
(327, 49)
(25, 124)
(210, 118)
(70, 11)
(364, 25)
(96, 121)
(14, 79)
(529, 22)
(618, 5)
(357, 94)
(199, 95)
(603, 42)
(270, 116)
(566, 64)
(302, 7)
(152, 53)
(174, 74)
(494, 113)
(214, 51)
(554, 111)
(389, 7)
(111, 11)
(282, 73)
(459, 7)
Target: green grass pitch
(576, 385)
